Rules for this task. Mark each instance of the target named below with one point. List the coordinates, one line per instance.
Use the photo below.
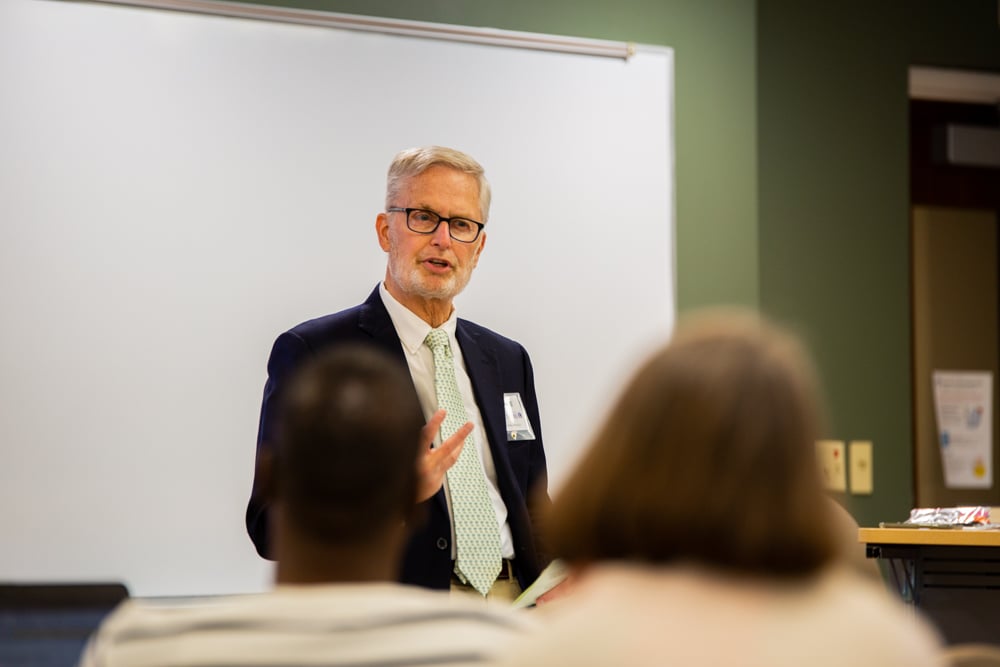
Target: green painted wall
(834, 201)
(714, 52)
(834, 233)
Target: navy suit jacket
(496, 365)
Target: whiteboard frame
(338, 20)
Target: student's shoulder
(142, 625)
(880, 620)
(466, 609)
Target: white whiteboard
(178, 189)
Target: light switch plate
(832, 465)
(862, 475)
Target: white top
(412, 331)
(330, 624)
(682, 616)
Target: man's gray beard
(415, 285)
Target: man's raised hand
(435, 462)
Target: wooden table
(951, 574)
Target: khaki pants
(504, 591)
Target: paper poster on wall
(963, 405)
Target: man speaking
(482, 487)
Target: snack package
(949, 516)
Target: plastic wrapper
(949, 516)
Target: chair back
(48, 624)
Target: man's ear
(382, 230)
(266, 475)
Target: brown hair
(708, 456)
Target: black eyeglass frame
(408, 211)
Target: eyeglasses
(422, 221)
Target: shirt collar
(409, 327)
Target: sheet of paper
(551, 576)
(963, 404)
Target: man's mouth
(440, 263)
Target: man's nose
(442, 235)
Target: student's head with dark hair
(343, 472)
(708, 457)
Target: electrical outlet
(860, 454)
(832, 465)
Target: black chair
(47, 624)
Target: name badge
(518, 426)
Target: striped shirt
(340, 625)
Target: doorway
(955, 273)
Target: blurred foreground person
(698, 529)
(341, 480)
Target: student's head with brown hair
(708, 457)
(344, 470)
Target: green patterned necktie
(477, 535)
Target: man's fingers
(449, 450)
(430, 429)
(436, 462)
(457, 438)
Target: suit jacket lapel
(374, 320)
(484, 373)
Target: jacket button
(442, 543)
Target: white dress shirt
(412, 331)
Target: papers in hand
(551, 576)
